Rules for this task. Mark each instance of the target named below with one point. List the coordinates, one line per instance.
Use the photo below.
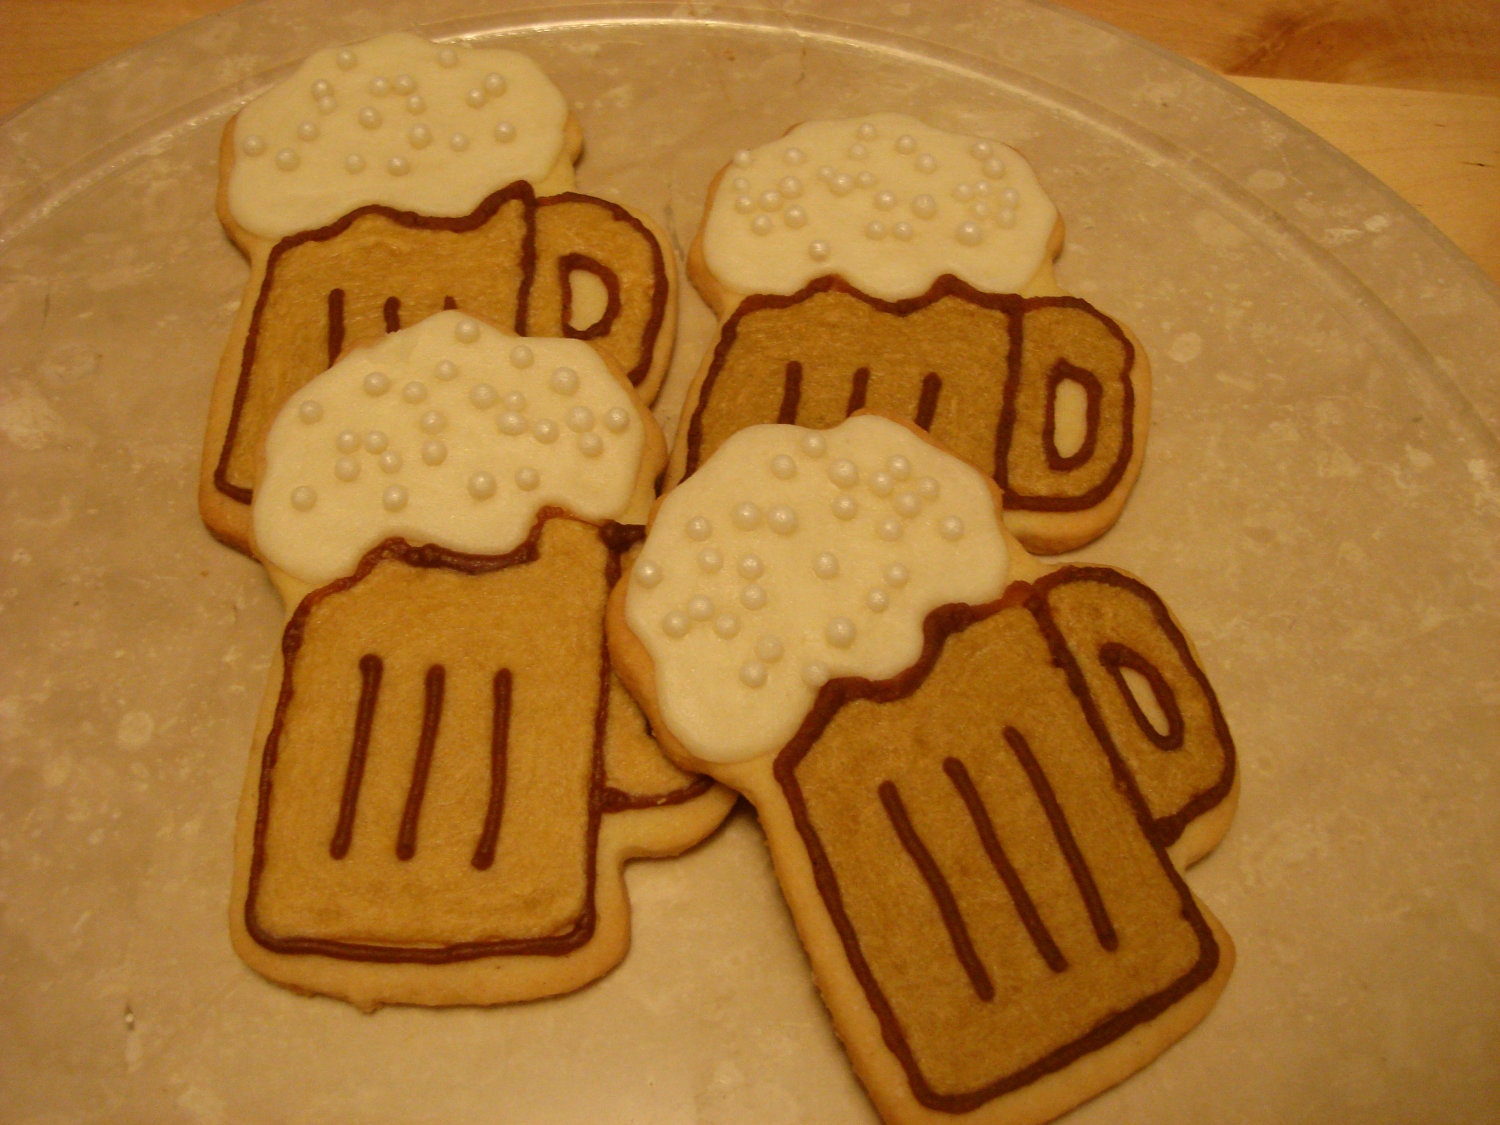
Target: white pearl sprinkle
(783, 467)
(511, 423)
(494, 83)
(841, 184)
(924, 206)
(649, 574)
(327, 105)
(753, 674)
(927, 163)
(844, 473)
(354, 163)
(865, 179)
(906, 144)
(545, 430)
(376, 441)
(710, 561)
(897, 575)
(963, 192)
(416, 104)
(349, 441)
(521, 356)
(466, 331)
(877, 601)
(699, 529)
(845, 507)
(380, 86)
(769, 649)
(866, 131)
(881, 484)
(1005, 218)
(750, 567)
(377, 383)
(794, 156)
(676, 624)
(790, 187)
(303, 498)
(370, 117)
(393, 499)
(951, 528)
(446, 369)
(814, 445)
(815, 673)
(744, 158)
(483, 396)
(885, 200)
(928, 488)
(840, 632)
(782, 519)
(390, 461)
(875, 230)
(726, 625)
(505, 132)
(564, 381)
(310, 411)
(419, 136)
(617, 419)
(744, 204)
(346, 59)
(902, 231)
(796, 217)
(858, 152)
(481, 485)
(398, 166)
(458, 142)
(994, 167)
(308, 130)
(700, 608)
(909, 504)
(287, 160)
(475, 98)
(746, 516)
(898, 466)
(889, 530)
(590, 445)
(762, 224)
(414, 392)
(580, 419)
(818, 250)
(448, 57)
(253, 145)
(514, 400)
(770, 201)
(346, 469)
(434, 453)
(753, 597)
(403, 84)
(969, 234)
(527, 478)
(322, 88)
(826, 565)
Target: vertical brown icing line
(1115, 656)
(1026, 909)
(484, 851)
(432, 712)
(335, 324)
(942, 893)
(528, 257)
(391, 311)
(932, 385)
(370, 669)
(858, 392)
(1065, 372)
(1077, 865)
(791, 394)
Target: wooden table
(1408, 88)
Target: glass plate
(1319, 504)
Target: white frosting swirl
(885, 202)
(792, 556)
(449, 432)
(419, 126)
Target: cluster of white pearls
(560, 418)
(394, 123)
(868, 183)
(727, 554)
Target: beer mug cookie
(979, 776)
(879, 263)
(447, 780)
(395, 178)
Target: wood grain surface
(1409, 88)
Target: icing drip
(886, 202)
(828, 549)
(354, 458)
(360, 125)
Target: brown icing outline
(1168, 828)
(615, 538)
(1014, 307)
(939, 625)
(487, 209)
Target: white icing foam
(757, 584)
(448, 432)
(395, 120)
(884, 201)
